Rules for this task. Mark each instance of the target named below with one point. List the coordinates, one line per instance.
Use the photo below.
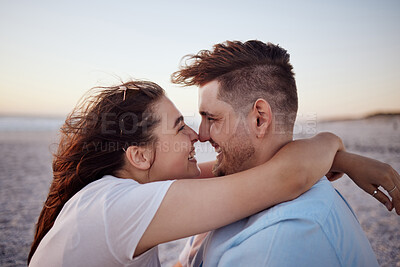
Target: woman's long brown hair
(92, 141)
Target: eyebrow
(178, 120)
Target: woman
(112, 202)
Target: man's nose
(204, 131)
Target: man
(248, 104)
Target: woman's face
(174, 155)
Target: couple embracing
(265, 201)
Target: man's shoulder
(314, 224)
(314, 205)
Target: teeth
(192, 154)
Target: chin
(197, 174)
(218, 170)
(190, 174)
(221, 169)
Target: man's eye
(182, 127)
(210, 119)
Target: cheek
(218, 131)
(214, 131)
(174, 154)
(163, 150)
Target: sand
(25, 175)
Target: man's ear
(139, 157)
(262, 117)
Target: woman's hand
(369, 174)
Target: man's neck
(269, 147)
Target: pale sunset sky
(346, 54)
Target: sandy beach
(25, 175)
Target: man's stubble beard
(237, 153)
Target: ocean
(29, 124)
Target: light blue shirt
(316, 229)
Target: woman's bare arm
(369, 174)
(195, 206)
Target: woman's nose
(194, 137)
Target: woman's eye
(182, 127)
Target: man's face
(226, 130)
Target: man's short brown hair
(246, 71)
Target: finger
(396, 200)
(396, 179)
(388, 182)
(381, 197)
(395, 194)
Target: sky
(345, 54)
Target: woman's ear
(139, 157)
(262, 117)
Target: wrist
(342, 162)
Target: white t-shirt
(102, 224)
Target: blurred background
(345, 55)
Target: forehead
(208, 101)
(167, 111)
(165, 105)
